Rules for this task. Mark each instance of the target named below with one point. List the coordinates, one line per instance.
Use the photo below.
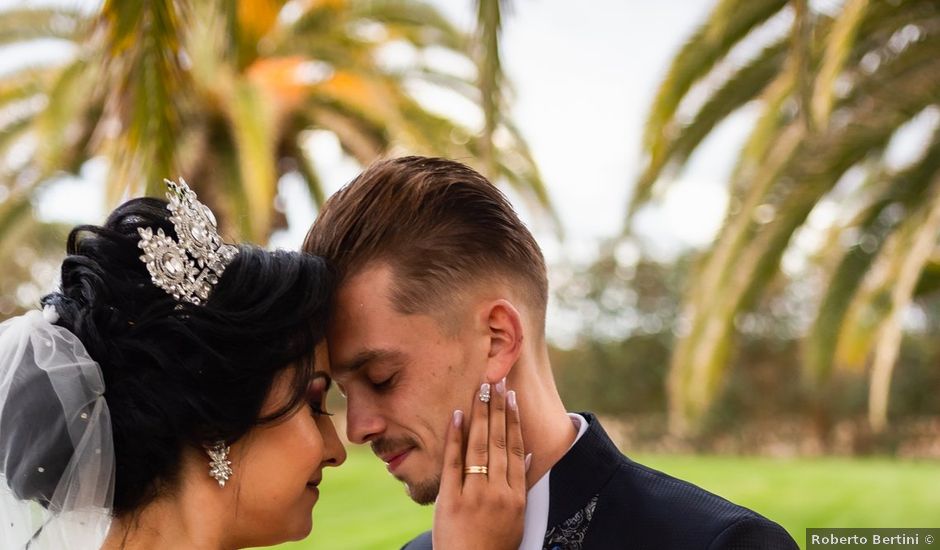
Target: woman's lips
(312, 485)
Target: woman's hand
(477, 510)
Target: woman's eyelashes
(318, 410)
(316, 395)
(318, 405)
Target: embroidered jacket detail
(569, 535)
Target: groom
(442, 287)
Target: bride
(169, 396)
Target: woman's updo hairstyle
(178, 374)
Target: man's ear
(504, 327)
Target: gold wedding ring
(475, 470)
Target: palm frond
(231, 195)
(61, 127)
(489, 68)
(254, 20)
(419, 23)
(12, 211)
(142, 41)
(525, 176)
(212, 90)
(830, 326)
(252, 123)
(11, 134)
(802, 57)
(736, 91)
(25, 84)
(308, 171)
(742, 271)
(24, 24)
(840, 43)
(905, 255)
(728, 23)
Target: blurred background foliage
(722, 349)
(227, 94)
(832, 94)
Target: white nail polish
(528, 461)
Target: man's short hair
(439, 225)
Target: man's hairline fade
(450, 311)
(531, 284)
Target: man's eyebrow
(363, 357)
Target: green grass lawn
(362, 507)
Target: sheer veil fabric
(56, 447)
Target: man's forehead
(347, 367)
(375, 277)
(361, 296)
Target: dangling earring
(220, 467)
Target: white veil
(56, 447)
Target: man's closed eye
(384, 384)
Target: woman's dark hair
(178, 374)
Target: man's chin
(424, 492)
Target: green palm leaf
(733, 278)
(222, 93)
(728, 23)
(903, 189)
(252, 123)
(24, 24)
(903, 259)
(839, 46)
(742, 87)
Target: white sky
(585, 79)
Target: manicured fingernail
(528, 461)
(501, 386)
(458, 418)
(511, 398)
(485, 392)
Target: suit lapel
(575, 484)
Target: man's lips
(394, 459)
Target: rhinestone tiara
(188, 269)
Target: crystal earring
(485, 393)
(220, 467)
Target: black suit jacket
(601, 499)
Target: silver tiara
(187, 269)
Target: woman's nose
(335, 451)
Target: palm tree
(832, 93)
(226, 94)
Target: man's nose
(363, 421)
